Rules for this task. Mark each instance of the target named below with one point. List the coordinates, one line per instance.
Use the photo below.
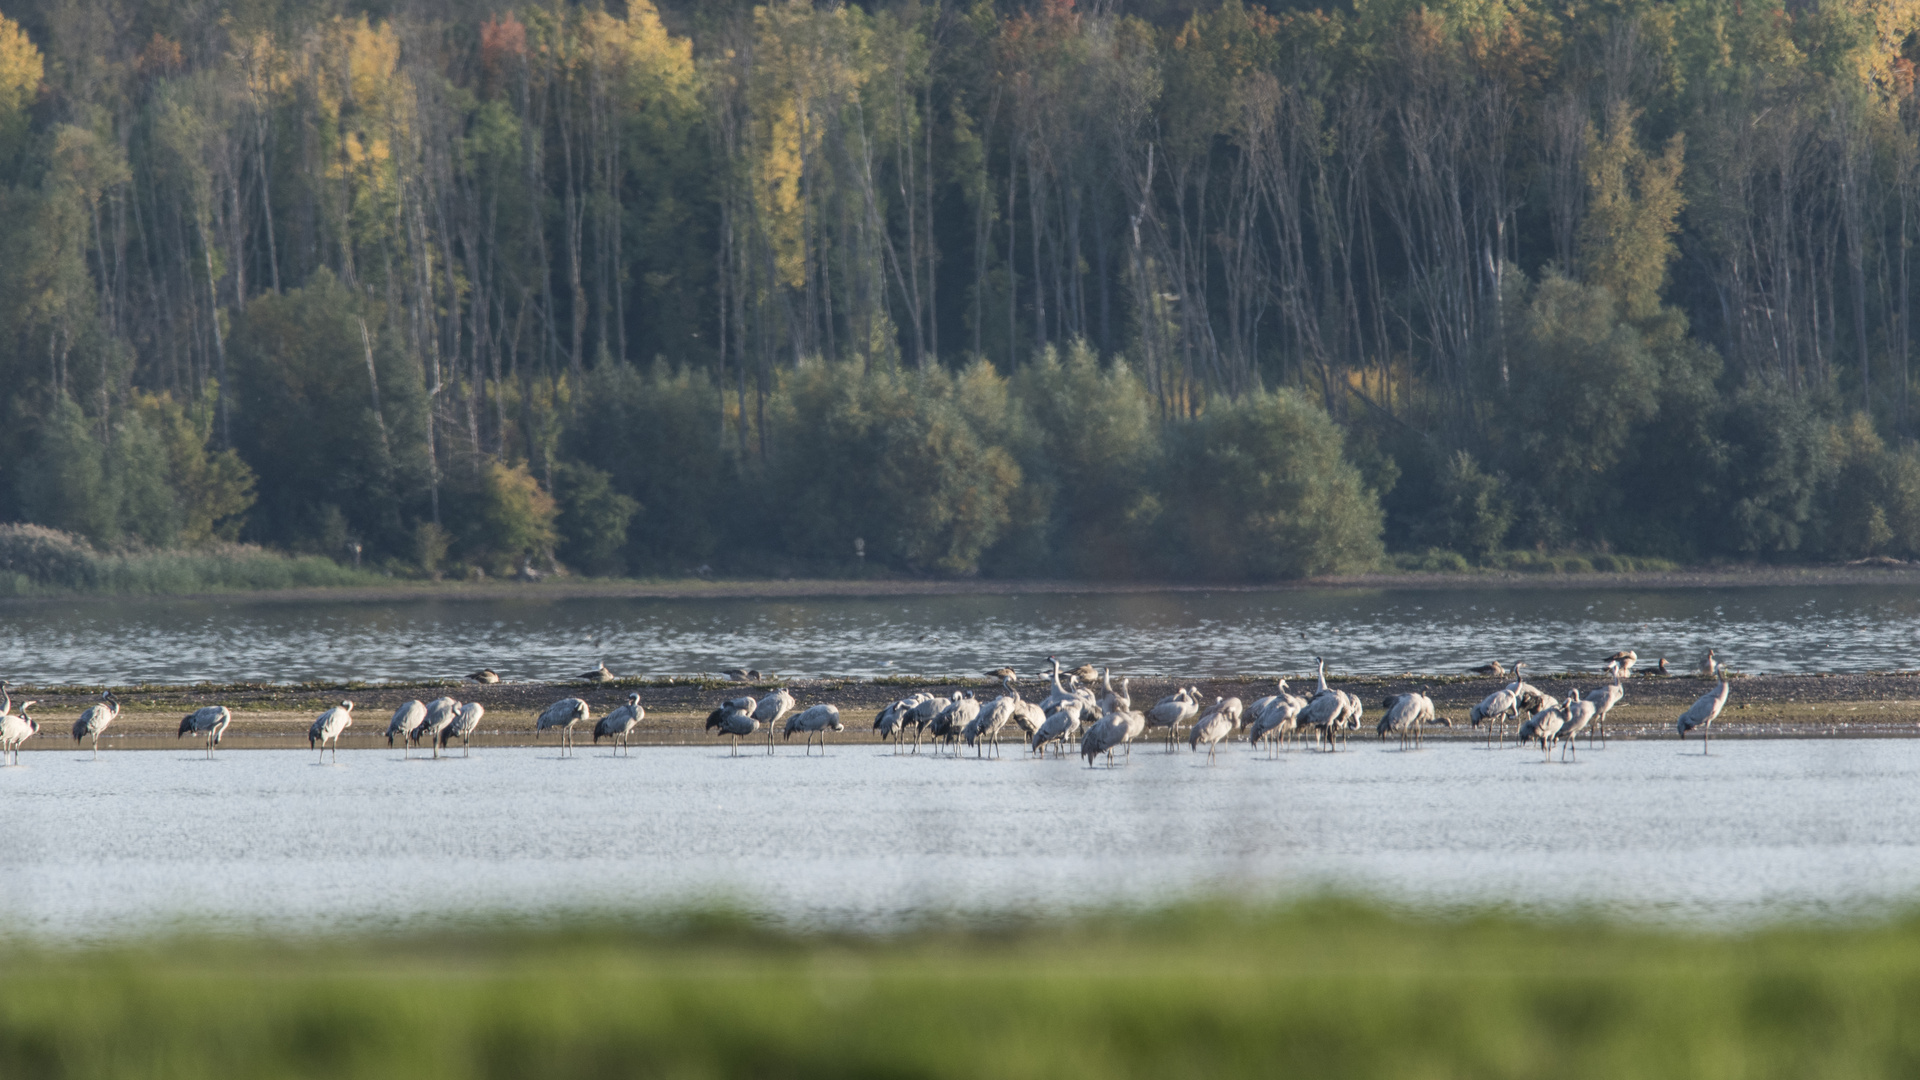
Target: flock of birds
(1100, 721)
(1105, 721)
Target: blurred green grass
(1317, 989)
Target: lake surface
(862, 838)
(1757, 629)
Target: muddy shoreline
(568, 588)
(1760, 706)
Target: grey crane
(406, 720)
(327, 728)
(485, 676)
(920, 716)
(563, 714)
(1119, 727)
(1114, 699)
(95, 720)
(891, 721)
(1604, 699)
(440, 713)
(1405, 715)
(618, 725)
(465, 722)
(1580, 712)
(16, 728)
(1059, 726)
(209, 721)
(1276, 719)
(949, 723)
(986, 725)
(1213, 725)
(771, 709)
(1494, 709)
(1702, 713)
(1175, 711)
(815, 721)
(1545, 723)
(732, 720)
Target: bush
(593, 519)
(891, 458)
(1259, 489)
(660, 439)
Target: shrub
(592, 520)
(1259, 489)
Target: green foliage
(1589, 381)
(1187, 991)
(35, 561)
(659, 436)
(1874, 499)
(511, 520)
(304, 418)
(894, 459)
(593, 519)
(1088, 456)
(1259, 489)
(1473, 514)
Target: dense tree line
(1155, 288)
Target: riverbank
(1759, 706)
(360, 587)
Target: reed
(1322, 988)
(36, 561)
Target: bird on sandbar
(488, 676)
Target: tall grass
(36, 561)
(1315, 990)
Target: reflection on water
(1821, 628)
(863, 838)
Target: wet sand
(1759, 706)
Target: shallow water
(1770, 629)
(861, 838)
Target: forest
(1149, 289)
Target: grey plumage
(618, 725)
(440, 713)
(406, 718)
(815, 721)
(95, 720)
(16, 728)
(209, 721)
(1702, 713)
(464, 724)
(563, 715)
(733, 720)
(328, 726)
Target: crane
(618, 725)
(209, 721)
(95, 720)
(1702, 713)
(327, 728)
(563, 714)
(464, 723)
(406, 720)
(817, 720)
